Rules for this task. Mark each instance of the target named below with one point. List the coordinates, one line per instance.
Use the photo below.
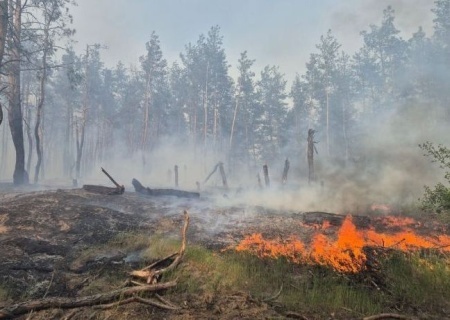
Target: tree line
(74, 112)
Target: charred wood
(285, 171)
(334, 219)
(103, 190)
(224, 177)
(175, 169)
(138, 187)
(266, 175)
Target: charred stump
(222, 174)
(266, 175)
(138, 187)
(175, 169)
(311, 150)
(285, 171)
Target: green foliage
(438, 198)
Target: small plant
(438, 198)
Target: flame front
(345, 253)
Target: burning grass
(344, 252)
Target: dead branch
(388, 316)
(69, 303)
(150, 273)
(119, 187)
(275, 296)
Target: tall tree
(243, 123)
(15, 108)
(271, 113)
(154, 69)
(54, 26)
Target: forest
(67, 113)
(312, 208)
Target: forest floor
(72, 243)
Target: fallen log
(318, 218)
(119, 189)
(138, 187)
(69, 303)
(103, 190)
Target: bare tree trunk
(43, 80)
(266, 175)
(67, 154)
(328, 123)
(176, 175)
(15, 108)
(4, 155)
(3, 32)
(285, 171)
(205, 105)
(146, 119)
(30, 136)
(311, 150)
(233, 123)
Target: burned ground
(46, 237)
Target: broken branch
(69, 303)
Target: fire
(344, 252)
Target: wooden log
(103, 190)
(266, 175)
(317, 217)
(163, 192)
(21, 308)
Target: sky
(273, 32)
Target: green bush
(438, 198)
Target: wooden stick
(69, 303)
(212, 172)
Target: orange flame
(345, 253)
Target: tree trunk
(266, 175)
(3, 32)
(311, 150)
(15, 109)
(40, 106)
